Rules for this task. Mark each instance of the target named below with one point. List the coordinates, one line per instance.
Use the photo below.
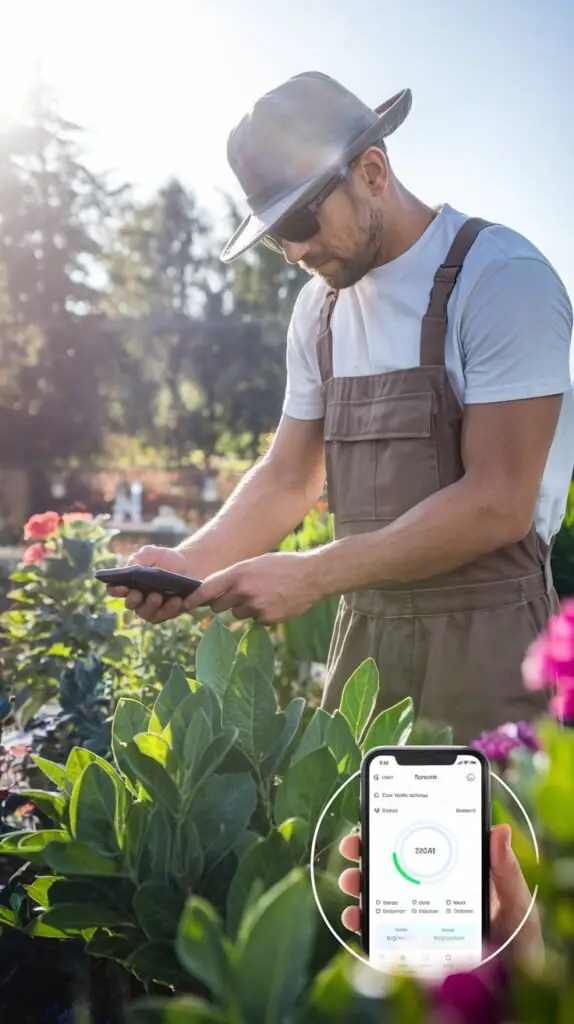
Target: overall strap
(325, 338)
(434, 322)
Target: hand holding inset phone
(510, 896)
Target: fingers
(512, 898)
(350, 846)
(351, 918)
(350, 882)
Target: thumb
(512, 896)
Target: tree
(55, 351)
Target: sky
(159, 85)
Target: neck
(406, 219)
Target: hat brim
(256, 226)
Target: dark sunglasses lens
(300, 226)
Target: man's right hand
(152, 608)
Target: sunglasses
(303, 223)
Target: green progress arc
(403, 873)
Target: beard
(340, 271)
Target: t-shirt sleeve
(516, 331)
(303, 393)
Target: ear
(373, 170)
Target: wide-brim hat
(294, 141)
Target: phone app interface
(425, 865)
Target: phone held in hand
(149, 580)
(425, 858)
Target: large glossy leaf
(171, 697)
(158, 910)
(156, 961)
(51, 804)
(184, 1010)
(153, 777)
(290, 719)
(215, 656)
(180, 721)
(428, 734)
(54, 772)
(26, 843)
(359, 697)
(39, 890)
(158, 749)
(250, 706)
(78, 917)
(391, 728)
(131, 718)
(210, 760)
(157, 846)
(197, 738)
(75, 858)
(266, 861)
(187, 857)
(136, 824)
(222, 811)
(93, 810)
(274, 950)
(307, 787)
(203, 950)
(314, 735)
(339, 739)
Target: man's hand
(270, 588)
(510, 897)
(152, 608)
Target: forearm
(261, 512)
(451, 528)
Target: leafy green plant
(563, 552)
(213, 792)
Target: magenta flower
(549, 660)
(498, 744)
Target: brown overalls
(454, 643)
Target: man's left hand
(270, 588)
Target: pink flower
(75, 517)
(34, 554)
(550, 659)
(41, 526)
(563, 703)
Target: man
(428, 378)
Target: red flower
(34, 554)
(74, 517)
(42, 526)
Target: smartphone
(149, 580)
(425, 858)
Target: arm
(268, 504)
(515, 334)
(505, 447)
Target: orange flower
(34, 554)
(41, 526)
(74, 517)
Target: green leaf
(26, 843)
(39, 889)
(158, 844)
(136, 824)
(339, 739)
(54, 772)
(274, 950)
(110, 947)
(181, 720)
(256, 651)
(291, 719)
(93, 810)
(215, 656)
(427, 734)
(222, 811)
(51, 804)
(75, 858)
(77, 917)
(250, 706)
(202, 948)
(360, 696)
(130, 718)
(156, 961)
(307, 787)
(158, 910)
(158, 749)
(295, 831)
(266, 861)
(183, 1010)
(173, 694)
(79, 758)
(8, 918)
(187, 858)
(392, 727)
(211, 758)
(80, 553)
(153, 777)
(314, 735)
(198, 737)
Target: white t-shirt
(509, 334)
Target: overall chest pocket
(381, 455)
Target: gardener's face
(351, 227)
